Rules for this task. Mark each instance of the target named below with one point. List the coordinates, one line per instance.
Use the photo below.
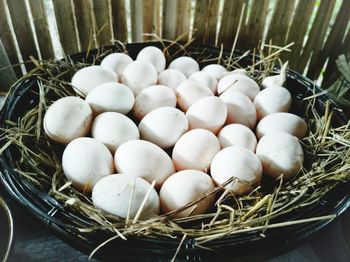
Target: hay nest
(327, 154)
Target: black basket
(24, 95)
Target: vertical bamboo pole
(183, 14)
(8, 40)
(119, 20)
(66, 26)
(42, 29)
(169, 19)
(84, 15)
(7, 75)
(22, 29)
(103, 22)
(151, 18)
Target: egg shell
(241, 109)
(208, 113)
(184, 187)
(67, 119)
(144, 159)
(111, 97)
(205, 79)
(90, 77)
(171, 78)
(85, 161)
(237, 135)
(272, 100)
(153, 55)
(276, 80)
(163, 126)
(280, 153)
(195, 150)
(113, 129)
(151, 98)
(138, 75)
(185, 64)
(215, 70)
(116, 62)
(122, 195)
(239, 83)
(190, 92)
(285, 122)
(240, 163)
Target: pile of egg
(154, 139)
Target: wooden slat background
(317, 40)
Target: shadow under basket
(24, 95)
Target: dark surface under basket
(53, 213)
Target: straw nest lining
(327, 154)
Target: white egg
(111, 97)
(113, 129)
(215, 70)
(185, 64)
(90, 77)
(195, 150)
(163, 126)
(285, 122)
(272, 100)
(138, 75)
(122, 195)
(205, 79)
(116, 62)
(184, 187)
(239, 163)
(240, 83)
(237, 135)
(85, 161)
(190, 92)
(171, 78)
(67, 119)
(241, 109)
(280, 153)
(154, 56)
(151, 98)
(144, 159)
(208, 113)
(276, 80)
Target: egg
(285, 122)
(122, 195)
(151, 98)
(239, 83)
(171, 78)
(240, 163)
(237, 135)
(67, 119)
(184, 187)
(276, 80)
(116, 62)
(241, 109)
(280, 153)
(272, 100)
(185, 64)
(138, 75)
(195, 150)
(215, 70)
(190, 92)
(113, 129)
(240, 71)
(144, 159)
(111, 97)
(205, 79)
(208, 113)
(153, 55)
(85, 161)
(163, 126)
(90, 77)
